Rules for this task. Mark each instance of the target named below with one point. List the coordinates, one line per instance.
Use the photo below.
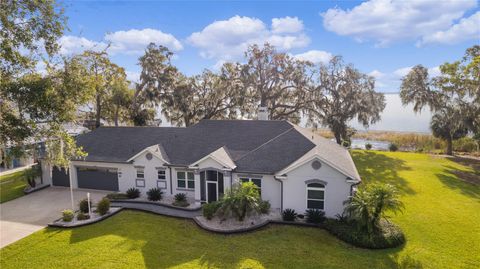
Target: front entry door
(211, 191)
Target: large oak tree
(340, 94)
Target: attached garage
(97, 178)
(60, 177)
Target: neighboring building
(292, 167)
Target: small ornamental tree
(241, 200)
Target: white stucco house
(292, 167)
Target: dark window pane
(190, 175)
(181, 183)
(191, 184)
(220, 183)
(181, 175)
(243, 180)
(312, 194)
(202, 186)
(316, 185)
(211, 175)
(257, 182)
(315, 204)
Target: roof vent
(262, 113)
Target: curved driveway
(30, 213)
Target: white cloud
(387, 21)
(466, 29)
(401, 72)
(134, 41)
(376, 74)
(133, 76)
(229, 39)
(121, 42)
(287, 25)
(74, 44)
(315, 56)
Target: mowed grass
(11, 186)
(441, 222)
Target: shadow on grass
(167, 242)
(467, 182)
(377, 167)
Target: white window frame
(140, 177)
(140, 171)
(161, 184)
(314, 199)
(159, 175)
(250, 179)
(186, 179)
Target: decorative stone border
(56, 223)
(29, 190)
(156, 203)
(232, 231)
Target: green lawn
(441, 222)
(11, 186)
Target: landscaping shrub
(67, 215)
(117, 196)
(83, 205)
(154, 194)
(82, 216)
(368, 146)
(289, 214)
(133, 193)
(393, 147)
(210, 209)
(387, 235)
(315, 216)
(181, 200)
(264, 207)
(103, 206)
(300, 216)
(240, 200)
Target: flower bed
(75, 222)
(231, 225)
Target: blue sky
(382, 38)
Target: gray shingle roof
(255, 146)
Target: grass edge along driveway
(11, 186)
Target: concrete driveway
(30, 213)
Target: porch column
(196, 175)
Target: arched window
(316, 196)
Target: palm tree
(240, 200)
(369, 205)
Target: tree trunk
(450, 146)
(98, 111)
(116, 116)
(338, 137)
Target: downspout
(171, 186)
(352, 186)
(281, 192)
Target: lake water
(376, 145)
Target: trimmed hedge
(117, 196)
(264, 207)
(67, 215)
(209, 210)
(103, 206)
(83, 205)
(388, 236)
